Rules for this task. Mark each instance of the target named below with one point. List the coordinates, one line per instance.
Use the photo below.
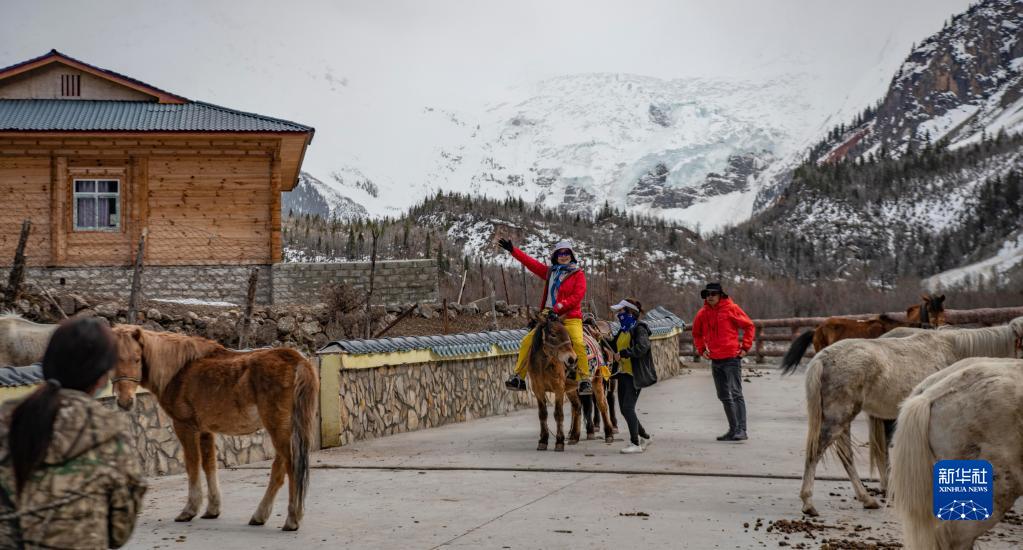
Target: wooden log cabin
(94, 158)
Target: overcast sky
(363, 60)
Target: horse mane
(982, 342)
(166, 353)
(536, 349)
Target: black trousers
(728, 383)
(628, 394)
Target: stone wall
(207, 283)
(386, 400)
(394, 399)
(395, 282)
(158, 447)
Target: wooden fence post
(250, 299)
(760, 347)
(504, 278)
(136, 279)
(375, 232)
(461, 289)
(493, 304)
(17, 274)
(445, 315)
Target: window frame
(75, 195)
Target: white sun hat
(625, 304)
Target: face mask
(626, 320)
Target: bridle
(137, 379)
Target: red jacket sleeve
(538, 269)
(571, 297)
(698, 343)
(743, 321)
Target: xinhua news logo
(963, 490)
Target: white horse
(875, 376)
(22, 342)
(902, 332)
(969, 411)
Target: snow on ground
(989, 271)
(193, 302)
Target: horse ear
(941, 299)
(136, 333)
(925, 297)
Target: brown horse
(600, 331)
(551, 356)
(930, 313)
(207, 389)
(833, 330)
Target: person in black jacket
(635, 368)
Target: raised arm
(537, 268)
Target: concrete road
(481, 484)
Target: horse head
(935, 309)
(553, 341)
(1017, 330)
(130, 371)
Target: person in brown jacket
(69, 477)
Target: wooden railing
(786, 330)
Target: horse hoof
(590, 437)
(609, 440)
(559, 447)
(573, 441)
(288, 526)
(184, 516)
(211, 515)
(541, 447)
(257, 522)
(810, 511)
(871, 505)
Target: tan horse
(874, 376)
(22, 342)
(207, 389)
(551, 356)
(959, 413)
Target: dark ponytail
(80, 352)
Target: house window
(97, 205)
(70, 85)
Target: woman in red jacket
(716, 337)
(563, 295)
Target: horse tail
(911, 480)
(796, 352)
(878, 447)
(303, 419)
(814, 407)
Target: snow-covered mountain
(690, 150)
(959, 85)
(926, 180)
(314, 197)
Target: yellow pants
(575, 331)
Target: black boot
(740, 422)
(515, 383)
(730, 414)
(585, 388)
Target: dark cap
(712, 287)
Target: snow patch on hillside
(990, 271)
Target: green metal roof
(44, 115)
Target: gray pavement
(482, 484)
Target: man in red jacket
(563, 296)
(716, 337)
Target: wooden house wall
(206, 210)
(25, 193)
(202, 201)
